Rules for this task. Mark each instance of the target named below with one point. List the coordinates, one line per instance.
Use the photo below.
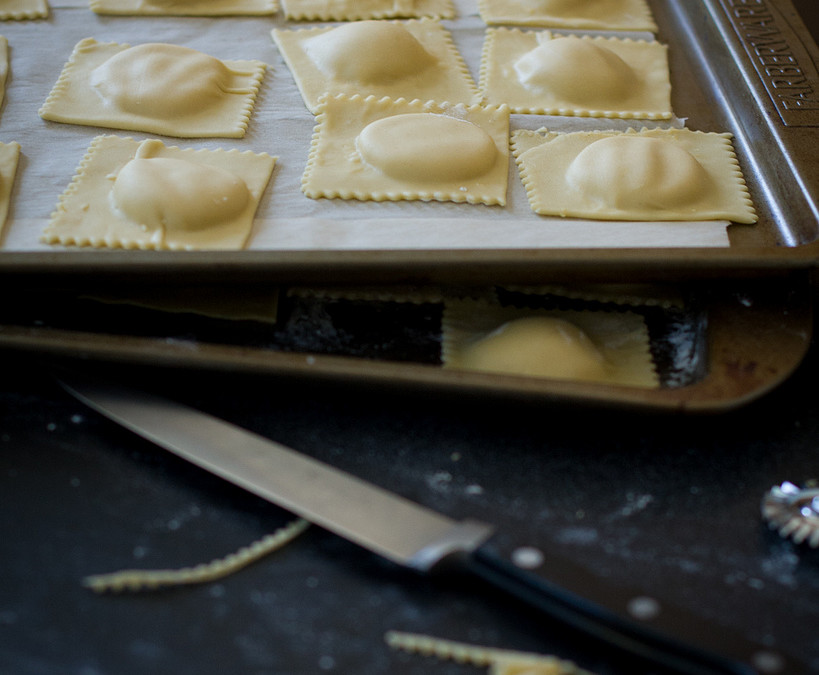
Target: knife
(641, 630)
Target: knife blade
(647, 633)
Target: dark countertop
(668, 503)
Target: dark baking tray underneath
(725, 345)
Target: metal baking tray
(719, 347)
(746, 68)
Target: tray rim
(422, 265)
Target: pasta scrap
(499, 661)
(140, 580)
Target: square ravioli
(155, 88)
(356, 10)
(399, 59)
(145, 195)
(650, 175)
(21, 10)
(185, 7)
(634, 15)
(584, 346)
(542, 73)
(9, 157)
(383, 150)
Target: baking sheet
(715, 346)
(282, 126)
(715, 86)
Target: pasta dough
(156, 88)
(604, 347)
(141, 580)
(399, 59)
(654, 174)
(499, 661)
(355, 10)
(536, 346)
(632, 15)
(130, 194)
(23, 9)
(9, 157)
(185, 7)
(542, 73)
(385, 150)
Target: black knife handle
(669, 638)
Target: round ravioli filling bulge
(576, 70)
(537, 346)
(630, 171)
(427, 147)
(161, 80)
(369, 52)
(176, 194)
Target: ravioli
(131, 194)
(633, 15)
(384, 150)
(356, 10)
(185, 7)
(542, 73)
(9, 158)
(399, 59)
(538, 347)
(654, 175)
(156, 88)
(603, 347)
(21, 10)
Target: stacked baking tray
(745, 68)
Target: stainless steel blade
(323, 495)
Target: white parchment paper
(282, 126)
